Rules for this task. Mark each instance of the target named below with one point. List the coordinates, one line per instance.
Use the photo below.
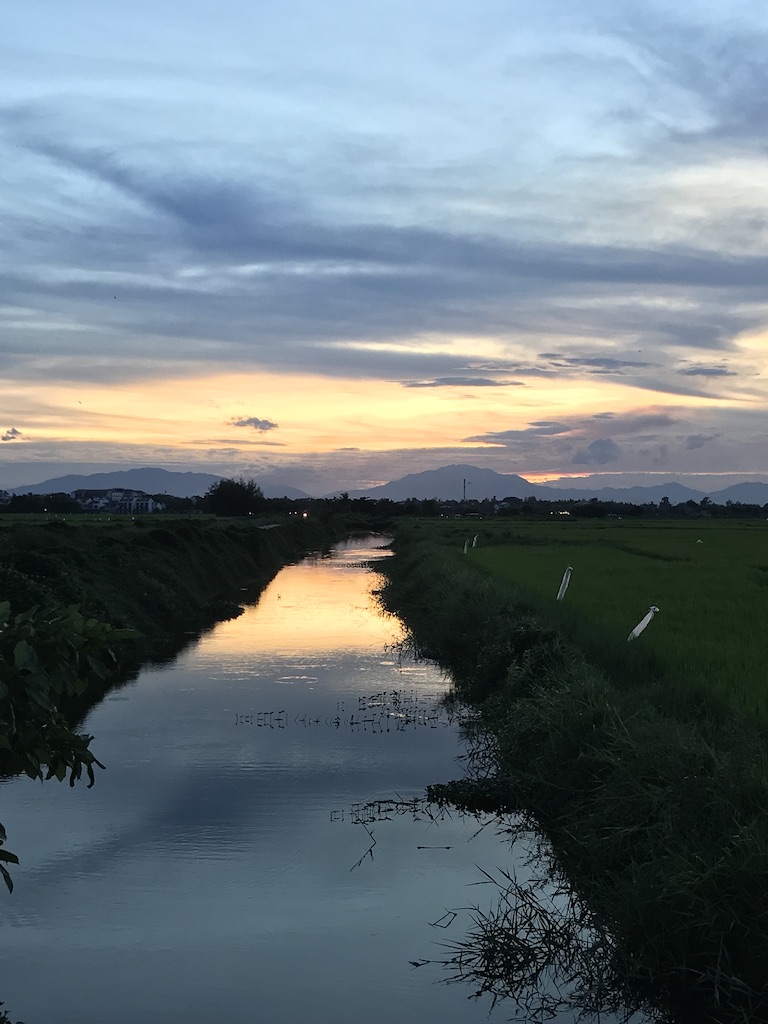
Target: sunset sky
(327, 244)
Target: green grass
(649, 778)
(709, 639)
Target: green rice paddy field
(709, 579)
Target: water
(231, 863)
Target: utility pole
(464, 492)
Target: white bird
(642, 623)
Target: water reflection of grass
(539, 947)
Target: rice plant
(707, 643)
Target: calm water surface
(227, 866)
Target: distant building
(119, 500)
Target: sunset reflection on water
(302, 611)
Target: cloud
(464, 382)
(12, 434)
(694, 441)
(713, 73)
(631, 423)
(660, 457)
(584, 428)
(238, 445)
(233, 249)
(669, 387)
(383, 230)
(600, 452)
(549, 427)
(594, 364)
(707, 371)
(540, 428)
(253, 421)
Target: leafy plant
(47, 656)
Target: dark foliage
(234, 497)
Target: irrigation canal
(258, 848)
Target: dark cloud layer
(233, 219)
(272, 280)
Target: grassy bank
(656, 807)
(164, 577)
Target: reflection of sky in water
(312, 609)
(210, 872)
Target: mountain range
(151, 480)
(452, 483)
(449, 483)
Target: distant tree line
(57, 504)
(239, 496)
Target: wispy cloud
(707, 371)
(597, 364)
(538, 429)
(462, 382)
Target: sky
(328, 244)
